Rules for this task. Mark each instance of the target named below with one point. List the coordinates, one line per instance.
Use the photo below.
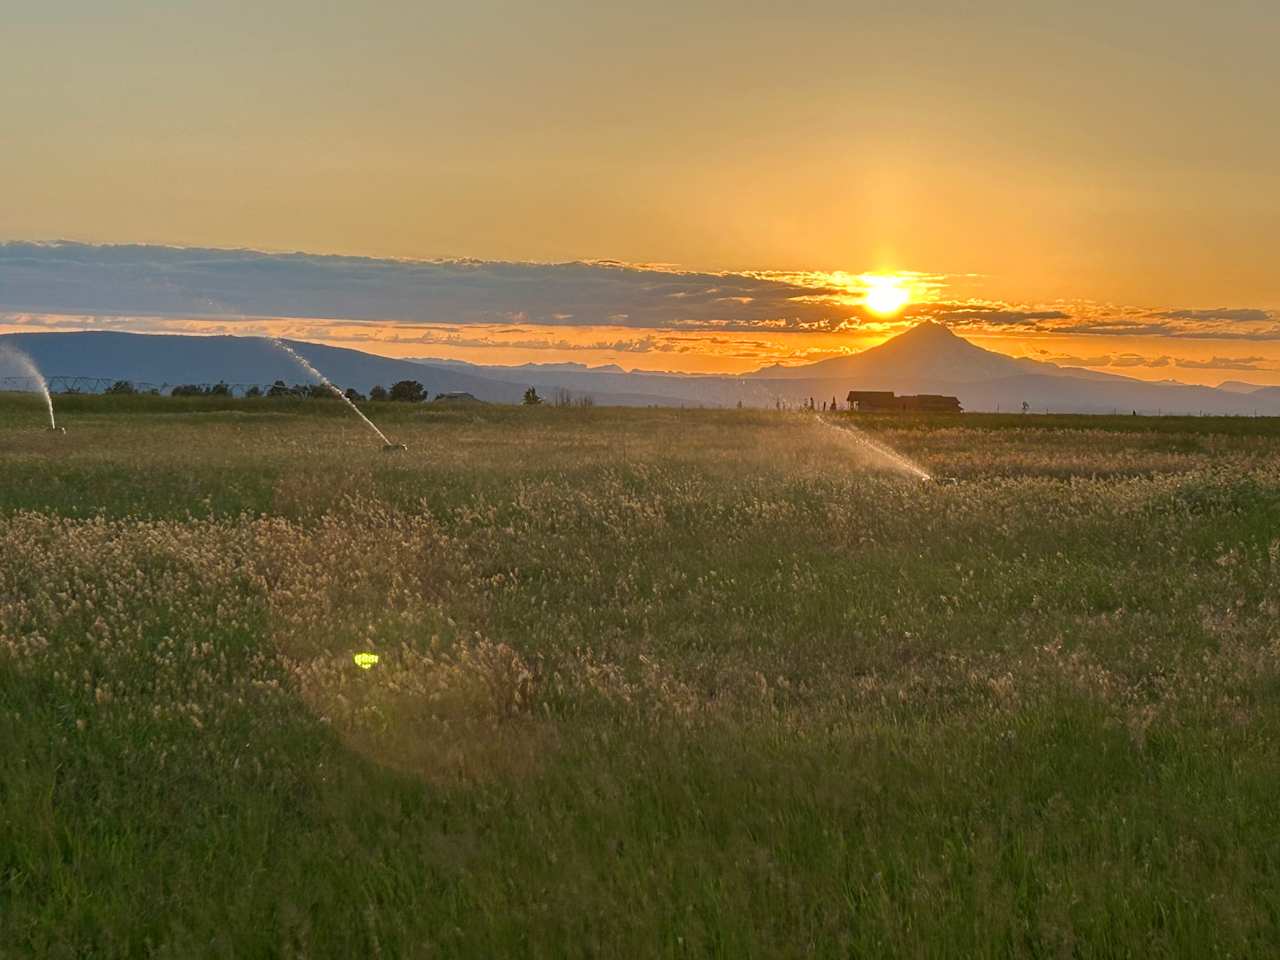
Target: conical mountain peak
(926, 329)
(928, 350)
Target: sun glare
(885, 295)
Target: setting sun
(885, 295)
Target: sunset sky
(696, 186)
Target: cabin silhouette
(884, 401)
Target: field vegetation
(649, 683)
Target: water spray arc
(32, 371)
(880, 450)
(306, 365)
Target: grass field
(650, 683)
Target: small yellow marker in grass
(365, 660)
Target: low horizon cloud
(597, 307)
(1123, 360)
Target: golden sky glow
(1040, 167)
(1060, 149)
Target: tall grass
(649, 683)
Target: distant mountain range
(926, 359)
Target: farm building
(884, 401)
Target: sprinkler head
(55, 429)
(394, 448)
(947, 481)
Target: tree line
(403, 391)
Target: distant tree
(531, 398)
(317, 391)
(585, 401)
(1025, 406)
(278, 389)
(739, 404)
(379, 392)
(408, 391)
(354, 395)
(122, 387)
(834, 406)
(220, 389)
(254, 391)
(189, 390)
(561, 397)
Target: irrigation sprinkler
(303, 362)
(29, 365)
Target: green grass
(651, 682)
